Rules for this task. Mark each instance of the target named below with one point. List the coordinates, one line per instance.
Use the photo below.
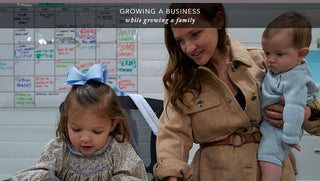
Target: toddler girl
(92, 136)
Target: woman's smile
(197, 55)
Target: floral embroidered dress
(115, 161)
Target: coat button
(253, 97)
(200, 103)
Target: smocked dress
(115, 161)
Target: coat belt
(253, 137)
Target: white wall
(154, 58)
(23, 133)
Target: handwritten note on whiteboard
(45, 42)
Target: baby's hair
(103, 99)
(301, 28)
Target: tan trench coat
(211, 116)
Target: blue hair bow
(96, 73)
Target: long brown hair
(181, 73)
(106, 104)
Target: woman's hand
(307, 113)
(275, 114)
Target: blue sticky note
(313, 60)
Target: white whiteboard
(40, 44)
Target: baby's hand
(296, 146)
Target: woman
(212, 85)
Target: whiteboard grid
(35, 61)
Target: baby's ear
(303, 52)
(114, 123)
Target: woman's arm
(312, 125)
(174, 140)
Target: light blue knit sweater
(298, 89)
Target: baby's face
(281, 55)
(87, 132)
